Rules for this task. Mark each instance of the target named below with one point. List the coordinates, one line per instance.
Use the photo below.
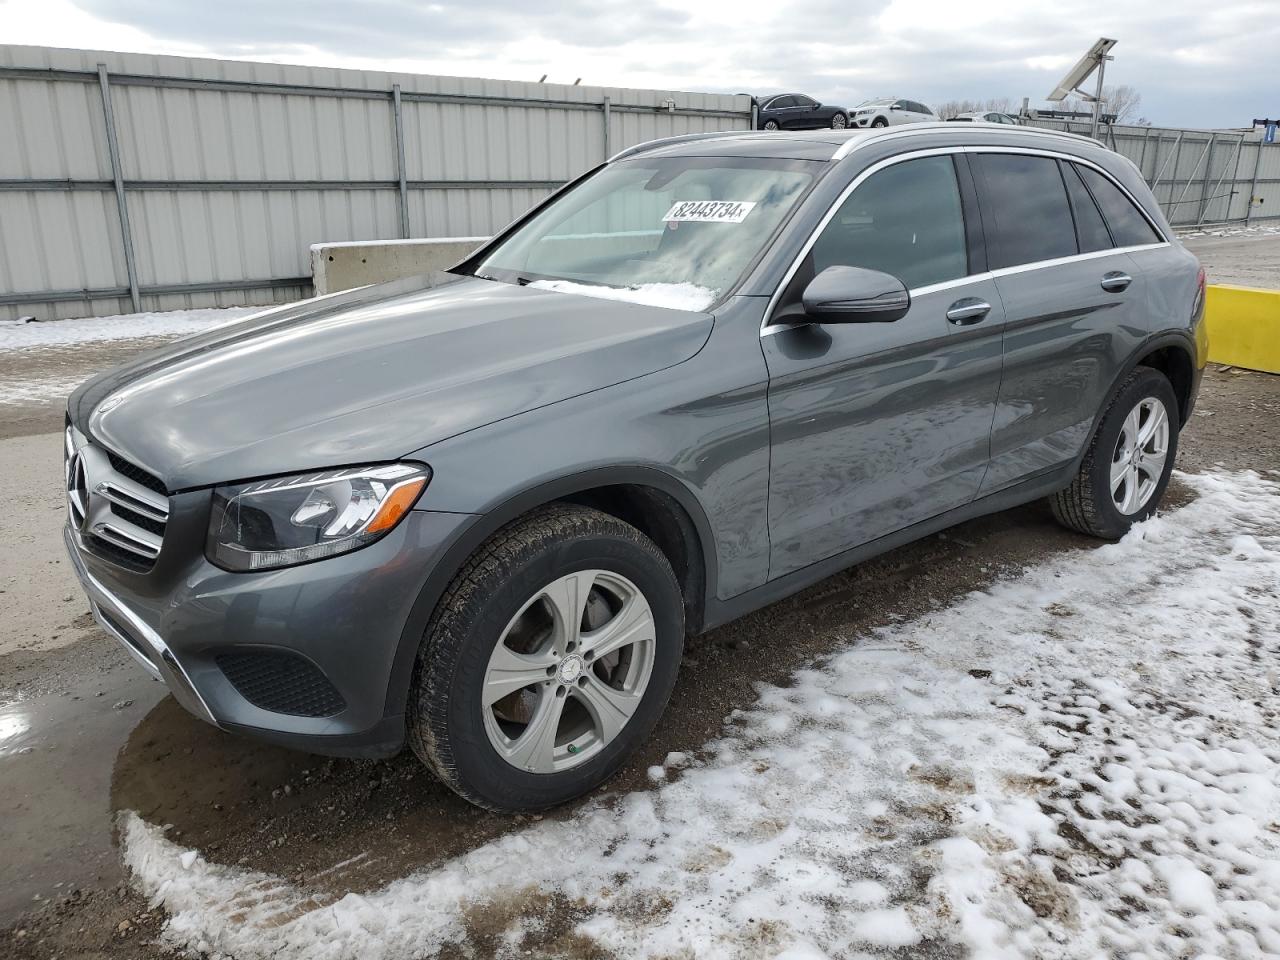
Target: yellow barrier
(1244, 327)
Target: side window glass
(1026, 211)
(784, 102)
(1090, 228)
(905, 220)
(805, 102)
(1129, 227)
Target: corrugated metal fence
(1198, 176)
(137, 182)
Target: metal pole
(608, 131)
(755, 114)
(113, 150)
(404, 187)
(1177, 144)
(1253, 184)
(1235, 180)
(1142, 158)
(1097, 97)
(1208, 172)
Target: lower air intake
(281, 682)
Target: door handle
(968, 310)
(1115, 281)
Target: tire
(517, 585)
(879, 122)
(771, 125)
(839, 122)
(1096, 505)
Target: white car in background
(987, 116)
(890, 113)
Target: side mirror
(855, 295)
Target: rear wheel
(771, 124)
(1127, 466)
(550, 659)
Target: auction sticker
(709, 211)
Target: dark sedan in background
(795, 111)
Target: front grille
(137, 474)
(146, 523)
(281, 682)
(118, 555)
(120, 509)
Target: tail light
(1197, 305)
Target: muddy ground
(83, 735)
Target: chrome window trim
(768, 329)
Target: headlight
(310, 516)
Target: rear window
(1026, 214)
(1128, 226)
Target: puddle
(57, 753)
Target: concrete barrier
(1243, 324)
(341, 266)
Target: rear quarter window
(1090, 228)
(1025, 209)
(1128, 226)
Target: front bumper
(144, 644)
(342, 618)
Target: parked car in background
(986, 116)
(480, 518)
(890, 113)
(795, 111)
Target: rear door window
(904, 220)
(1025, 210)
(1090, 227)
(1129, 227)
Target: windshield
(676, 232)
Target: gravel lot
(84, 739)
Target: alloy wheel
(838, 122)
(1139, 459)
(569, 671)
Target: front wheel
(1127, 466)
(550, 659)
(839, 121)
(879, 122)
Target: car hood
(370, 375)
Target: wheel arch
(655, 502)
(1173, 357)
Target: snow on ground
(174, 323)
(676, 296)
(1081, 762)
(1253, 230)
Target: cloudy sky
(1194, 63)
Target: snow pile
(174, 323)
(1081, 762)
(674, 296)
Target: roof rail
(915, 129)
(670, 141)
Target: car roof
(827, 145)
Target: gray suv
(481, 511)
